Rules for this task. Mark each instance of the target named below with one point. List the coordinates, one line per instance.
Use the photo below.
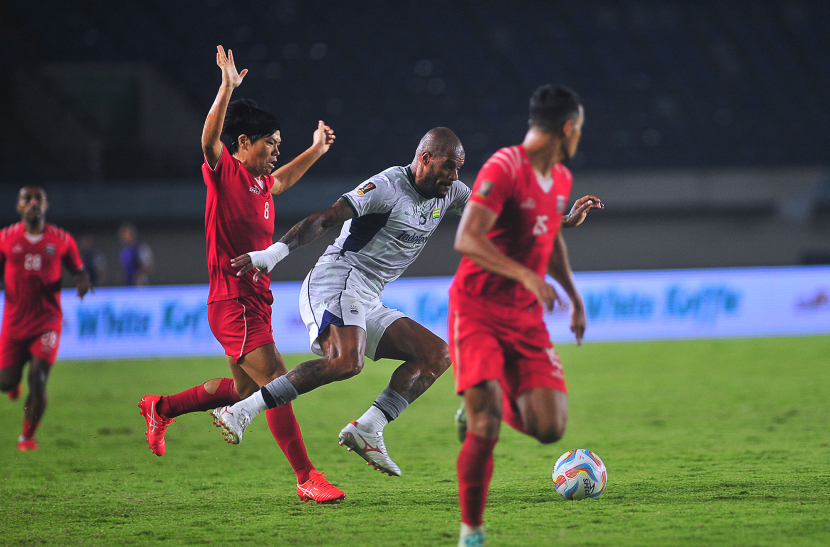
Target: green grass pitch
(721, 442)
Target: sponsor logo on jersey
(254, 190)
(484, 189)
(408, 237)
(529, 203)
(365, 188)
(50, 249)
(436, 216)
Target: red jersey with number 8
(529, 208)
(239, 218)
(32, 274)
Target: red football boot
(156, 425)
(24, 444)
(318, 489)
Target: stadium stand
(666, 84)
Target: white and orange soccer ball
(579, 474)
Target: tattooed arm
(319, 223)
(302, 233)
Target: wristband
(267, 259)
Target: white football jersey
(393, 221)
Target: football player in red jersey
(504, 362)
(241, 143)
(31, 255)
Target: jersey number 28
(31, 262)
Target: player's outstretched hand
(578, 321)
(544, 292)
(245, 265)
(83, 285)
(580, 210)
(323, 137)
(262, 261)
(230, 77)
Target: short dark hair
(34, 185)
(244, 117)
(553, 105)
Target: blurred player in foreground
(388, 220)
(31, 253)
(240, 143)
(504, 362)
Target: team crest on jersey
(484, 189)
(560, 204)
(365, 188)
(50, 249)
(17, 249)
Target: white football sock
(252, 406)
(372, 420)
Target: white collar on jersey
(33, 239)
(545, 182)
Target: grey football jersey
(393, 221)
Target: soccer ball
(579, 474)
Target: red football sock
(29, 429)
(286, 431)
(475, 469)
(198, 399)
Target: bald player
(388, 220)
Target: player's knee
(347, 364)
(485, 424)
(442, 358)
(550, 432)
(438, 357)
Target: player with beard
(241, 144)
(504, 362)
(31, 255)
(388, 220)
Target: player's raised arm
(303, 232)
(286, 176)
(580, 210)
(231, 79)
(471, 241)
(559, 268)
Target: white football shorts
(338, 294)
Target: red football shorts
(491, 342)
(242, 324)
(17, 352)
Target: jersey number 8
(267, 214)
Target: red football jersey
(529, 209)
(239, 218)
(32, 274)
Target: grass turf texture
(706, 442)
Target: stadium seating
(666, 84)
